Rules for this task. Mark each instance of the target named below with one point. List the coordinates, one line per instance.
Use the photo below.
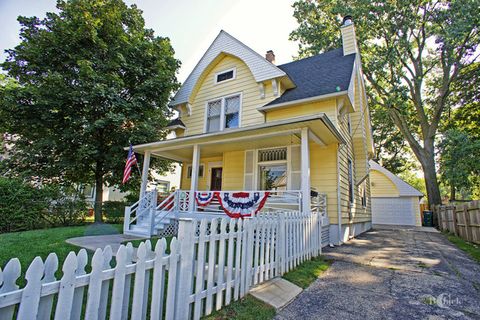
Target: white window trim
(351, 188)
(213, 165)
(287, 161)
(349, 124)
(234, 69)
(200, 165)
(222, 112)
(163, 182)
(363, 195)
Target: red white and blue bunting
(204, 198)
(242, 204)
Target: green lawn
(471, 249)
(307, 272)
(248, 308)
(27, 245)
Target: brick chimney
(270, 56)
(349, 39)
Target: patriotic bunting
(242, 204)
(234, 204)
(204, 198)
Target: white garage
(394, 202)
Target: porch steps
(142, 227)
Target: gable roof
(326, 73)
(224, 43)
(404, 189)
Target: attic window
(225, 75)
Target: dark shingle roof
(322, 74)
(175, 122)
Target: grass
(473, 250)
(26, 245)
(248, 308)
(308, 272)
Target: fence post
(126, 219)
(468, 228)
(454, 220)
(435, 213)
(153, 211)
(282, 245)
(186, 234)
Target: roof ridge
(311, 57)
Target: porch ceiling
(270, 134)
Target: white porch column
(146, 166)
(194, 178)
(305, 167)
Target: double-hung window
(223, 113)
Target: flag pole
(136, 162)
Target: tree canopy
(412, 55)
(91, 79)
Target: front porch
(273, 159)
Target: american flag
(131, 161)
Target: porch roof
(269, 134)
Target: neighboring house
(394, 201)
(164, 183)
(295, 129)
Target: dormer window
(225, 75)
(223, 113)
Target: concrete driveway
(393, 274)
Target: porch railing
(277, 200)
(144, 215)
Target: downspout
(339, 196)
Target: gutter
(320, 116)
(339, 197)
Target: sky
(191, 25)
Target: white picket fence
(211, 264)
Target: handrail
(140, 208)
(170, 203)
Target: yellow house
(300, 130)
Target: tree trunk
(427, 160)
(452, 193)
(98, 194)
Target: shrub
(66, 205)
(21, 206)
(113, 211)
(25, 207)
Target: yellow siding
(203, 182)
(323, 173)
(233, 170)
(382, 186)
(243, 83)
(352, 213)
(327, 106)
(359, 132)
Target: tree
(91, 78)
(412, 54)
(459, 165)
(391, 150)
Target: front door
(216, 182)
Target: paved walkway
(393, 274)
(92, 243)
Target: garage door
(397, 211)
